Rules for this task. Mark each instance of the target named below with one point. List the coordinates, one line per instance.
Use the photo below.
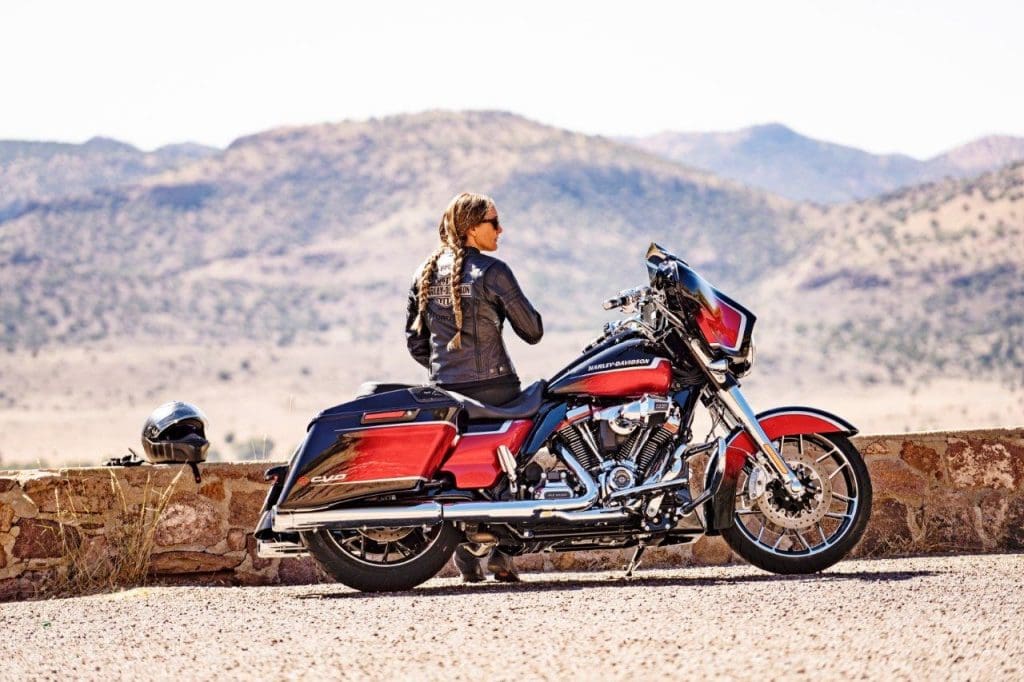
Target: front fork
(737, 405)
(727, 393)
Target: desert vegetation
(267, 280)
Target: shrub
(117, 559)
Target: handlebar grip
(616, 302)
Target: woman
(459, 301)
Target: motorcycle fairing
(777, 422)
(725, 325)
(382, 443)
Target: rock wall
(72, 530)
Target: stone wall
(68, 529)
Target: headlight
(741, 366)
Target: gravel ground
(956, 617)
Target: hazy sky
(914, 77)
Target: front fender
(777, 422)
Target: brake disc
(799, 514)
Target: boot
(500, 564)
(468, 565)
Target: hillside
(780, 160)
(303, 231)
(921, 283)
(267, 280)
(36, 172)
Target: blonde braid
(463, 212)
(429, 268)
(456, 289)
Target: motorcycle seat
(522, 407)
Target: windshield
(664, 264)
(723, 323)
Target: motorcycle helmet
(175, 433)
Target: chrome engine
(619, 445)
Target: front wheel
(383, 559)
(778, 533)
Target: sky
(910, 77)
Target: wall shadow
(531, 583)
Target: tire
(338, 553)
(839, 530)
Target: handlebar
(626, 297)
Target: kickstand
(635, 561)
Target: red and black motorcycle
(602, 456)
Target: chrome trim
(739, 407)
(286, 521)
(654, 364)
(268, 549)
(717, 475)
(508, 465)
(365, 481)
(577, 412)
(571, 510)
(505, 426)
(670, 480)
(636, 410)
(661, 486)
(588, 439)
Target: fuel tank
(378, 444)
(624, 369)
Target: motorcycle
(601, 456)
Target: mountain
(981, 155)
(267, 280)
(297, 235)
(32, 172)
(926, 281)
(775, 158)
(299, 232)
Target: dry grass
(117, 559)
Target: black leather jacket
(490, 294)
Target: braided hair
(463, 212)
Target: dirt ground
(81, 406)
(955, 617)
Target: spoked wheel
(782, 534)
(383, 559)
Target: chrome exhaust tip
(279, 549)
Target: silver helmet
(175, 433)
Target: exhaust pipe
(570, 510)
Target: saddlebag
(382, 443)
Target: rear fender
(777, 422)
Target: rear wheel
(782, 534)
(383, 559)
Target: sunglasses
(494, 223)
